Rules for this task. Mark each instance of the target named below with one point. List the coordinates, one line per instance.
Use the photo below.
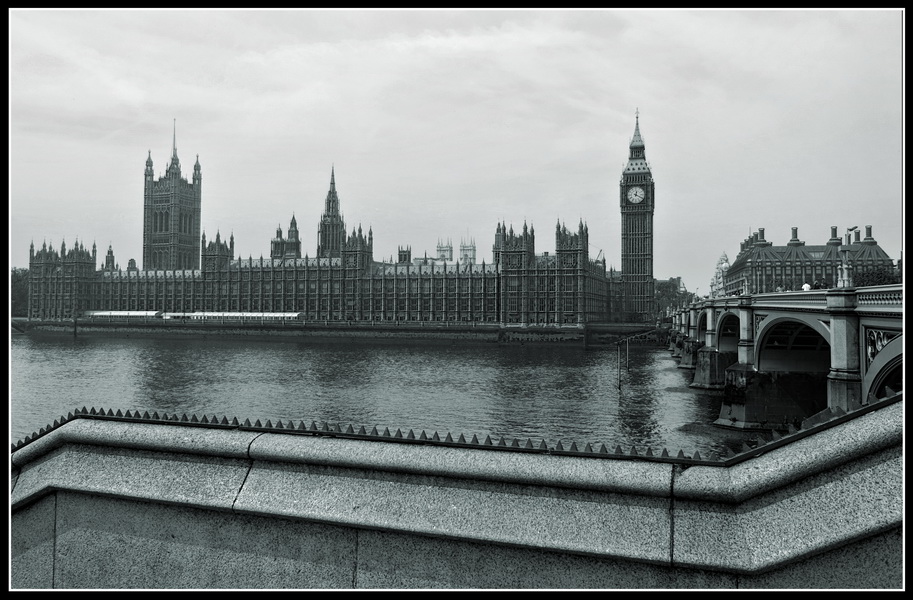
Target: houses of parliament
(182, 272)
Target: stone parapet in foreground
(118, 504)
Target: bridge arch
(796, 343)
(884, 376)
(727, 332)
(701, 328)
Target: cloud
(443, 123)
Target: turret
(331, 230)
(109, 259)
(277, 246)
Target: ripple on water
(527, 392)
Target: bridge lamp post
(849, 234)
(846, 279)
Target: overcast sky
(441, 124)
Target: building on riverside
(717, 287)
(171, 216)
(342, 281)
(761, 267)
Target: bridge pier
(710, 368)
(844, 380)
(746, 332)
(710, 332)
(770, 400)
(678, 343)
(690, 348)
(673, 330)
(692, 323)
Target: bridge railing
(880, 298)
(815, 300)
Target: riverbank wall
(430, 332)
(128, 504)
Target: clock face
(636, 195)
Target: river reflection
(543, 393)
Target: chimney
(760, 234)
(858, 233)
(794, 241)
(834, 241)
(795, 233)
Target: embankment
(118, 503)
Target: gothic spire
(332, 203)
(637, 161)
(174, 141)
(637, 141)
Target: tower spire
(331, 231)
(637, 141)
(174, 140)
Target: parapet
(108, 501)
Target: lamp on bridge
(849, 234)
(846, 276)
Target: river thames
(538, 392)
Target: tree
(668, 295)
(875, 276)
(19, 289)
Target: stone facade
(171, 216)
(761, 267)
(637, 200)
(343, 282)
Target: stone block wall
(108, 504)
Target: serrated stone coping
(817, 493)
(818, 453)
(631, 476)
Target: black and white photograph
(456, 299)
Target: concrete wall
(112, 504)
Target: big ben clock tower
(637, 201)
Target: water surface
(540, 392)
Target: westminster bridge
(781, 358)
